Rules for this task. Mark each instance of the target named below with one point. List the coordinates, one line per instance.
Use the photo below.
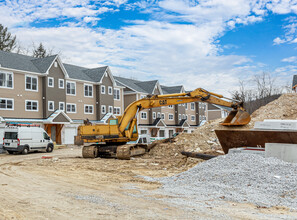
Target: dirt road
(70, 187)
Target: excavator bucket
(237, 118)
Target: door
(170, 133)
(68, 135)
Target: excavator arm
(238, 116)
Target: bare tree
(7, 41)
(40, 51)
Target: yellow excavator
(109, 140)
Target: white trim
(31, 110)
(154, 115)
(163, 116)
(61, 80)
(12, 74)
(111, 109)
(31, 90)
(6, 109)
(71, 104)
(67, 81)
(192, 117)
(119, 108)
(63, 106)
(104, 109)
(102, 86)
(169, 117)
(110, 76)
(109, 87)
(192, 103)
(88, 113)
(21, 71)
(48, 105)
(145, 113)
(114, 93)
(86, 84)
(48, 80)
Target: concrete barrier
(276, 125)
(285, 152)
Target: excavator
(110, 140)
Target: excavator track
(125, 152)
(90, 151)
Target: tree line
(8, 43)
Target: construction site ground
(68, 186)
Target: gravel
(243, 178)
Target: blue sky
(209, 43)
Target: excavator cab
(237, 118)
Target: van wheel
(25, 150)
(10, 152)
(49, 148)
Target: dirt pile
(204, 140)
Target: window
(88, 90)
(56, 64)
(109, 90)
(103, 109)
(109, 109)
(62, 106)
(50, 82)
(162, 133)
(117, 110)
(89, 109)
(143, 115)
(184, 116)
(143, 131)
(51, 105)
(192, 106)
(6, 80)
(192, 118)
(6, 104)
(70, 108)
(159, 115)
(31, 83)
(70, 88)
(61, 83)
(179, 116)
(116, 94)
(170, 106)
(31, 105)
(186, 104)
(154, 115)
(163, 116)
(170, 117)
(102, 89)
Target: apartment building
(215, 111)
(56, 95)
(166, 120)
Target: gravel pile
(243, 178)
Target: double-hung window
(62, 106)
(51, 105)
(32, 83)
(31, 105)
(102, 89)
(61, 83)
(117, 110)
(6, 104)
(110, 109)
(89, 109)
(170, 116)
(88, 90)
(143, 115)
(116, 94)
(103, 109)
(6, 80)
(50, 82)
(192, 106)
(70, 108)
(70, 88)
(109, 90)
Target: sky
(210, 44)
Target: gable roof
(171, 89)
(148, 86)
(43, 64)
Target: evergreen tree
(40, 52)
(7, 41)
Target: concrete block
(247, 150)
(276, 125)
(285, 152)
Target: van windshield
(11, 135)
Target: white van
(25, 139)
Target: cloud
(292, 59)
(177, 44)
